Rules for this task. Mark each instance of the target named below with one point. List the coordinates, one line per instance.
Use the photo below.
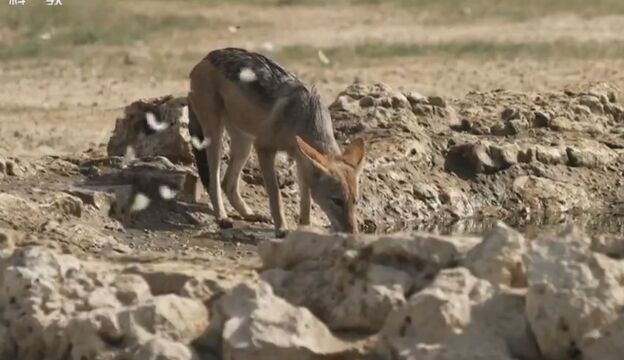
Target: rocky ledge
(452, 165)
(321, 296)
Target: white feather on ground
(247, 75)
(130, 154)
(140, 202)
(199, 145)
(166, 192)
(268, 46)
(323, 59)
(154, 124)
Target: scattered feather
(268, 46)
(199, 145)
(166, 192)
(155, 124)
(247, 75)
(140, 202)
(130, 154)
(323, 58)
(45, 36)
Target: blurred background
(67, 71)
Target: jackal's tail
(199, 152)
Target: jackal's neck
(315, 124)
(322, 137)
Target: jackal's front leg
(304, 197)
(240, 149)
(266, 159)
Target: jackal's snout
(340, 210)
(351, 223)
(339, 204)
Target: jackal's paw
(225, 223)
(257, 218)
(281, 233)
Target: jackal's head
(333, 182)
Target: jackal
(264, 106)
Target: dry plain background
(66, 72)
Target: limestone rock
(572, 292)
(21, 212)
(415, 97)
(65, 204)
(170, 316)
(133, 130)
(58, 306)
(605, 344)
(161, 349)
(9, 238)
(549, 199)
(443, 308)
(591, 156)
(436, 101)
(131, 289)
(481, 157)
(107, 330)
(190, 281)
(350, 292)
(611, 245)
(261, 326)
(30, 301)
(498, 258)
(97, 199)
(7, 347)
(550, 155)
(96, 333)
(458, 317)
(357, 280)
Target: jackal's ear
(354, 153)
(315, 158)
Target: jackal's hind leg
(209, 112)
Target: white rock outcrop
(325, 296)
(59, 307)
(573, 292)
(458, 317)
(498, 258)
(261, 326)
(357, 280)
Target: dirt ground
(58, 110)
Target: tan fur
(331, 179)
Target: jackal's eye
(338, 202)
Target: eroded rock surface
(324, 296)
(260, 325)
(359, 279)
(573, 292)
(463, 318)
(435, 161)
(437, 164)
(165, 134)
